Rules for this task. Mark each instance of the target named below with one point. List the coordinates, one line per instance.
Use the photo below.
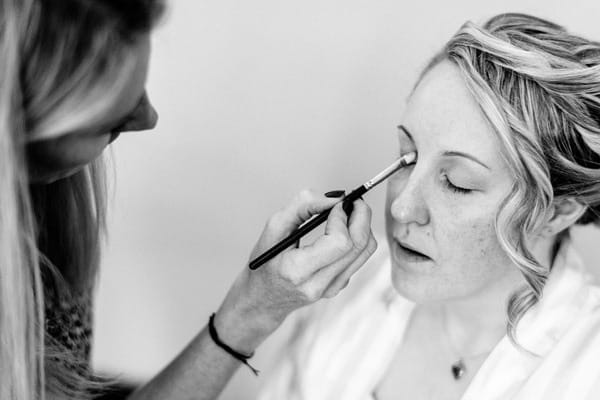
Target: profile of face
(58, 157)
(440, 211)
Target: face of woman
(55, 158)
(440, 212)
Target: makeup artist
(72, 79)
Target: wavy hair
(62, 65)
(539, 87)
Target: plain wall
(257, 100)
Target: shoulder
(576, 356)
(572, 366)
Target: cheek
(461, 239)
(470, 255)
(464, 228)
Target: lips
(407, 252)
(411, 248)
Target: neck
(474, 324)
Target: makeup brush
(318, 219)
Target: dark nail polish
(348, 207)
(335, 193)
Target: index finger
(305, 205)
(334, 244)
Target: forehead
(443, 115)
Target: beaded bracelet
(239, 356)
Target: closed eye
(453, 187)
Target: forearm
(202, 369)
(199, 372)
(260, 300)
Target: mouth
(405, 252)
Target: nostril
(407, 209)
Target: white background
(257, 100)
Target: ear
(566, 213)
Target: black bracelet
(239, 356)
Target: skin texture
(455, 229)
(444, 207)
(55, 158)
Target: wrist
(243, 358)
(242, 331)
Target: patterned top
(69, 325)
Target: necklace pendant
(458, 369)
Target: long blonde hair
(539, 87)
(62, 64)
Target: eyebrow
(447, 153)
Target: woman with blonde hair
(72, 78)
(482, 295)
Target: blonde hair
(539, 87)
(63, 63)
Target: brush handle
(304, 229)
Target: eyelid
(454, 188)
(447, 181)
(404, 131)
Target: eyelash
(450, 186)
(454, 188)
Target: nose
(410, 205)
(144, 117)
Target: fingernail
(335, 193)
(348, 207)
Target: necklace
(459, 367)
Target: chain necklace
(459, 367)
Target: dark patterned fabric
(69, 324)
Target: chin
(421, 288)
(411, 288)
(46, 178)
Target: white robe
(345, 345)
